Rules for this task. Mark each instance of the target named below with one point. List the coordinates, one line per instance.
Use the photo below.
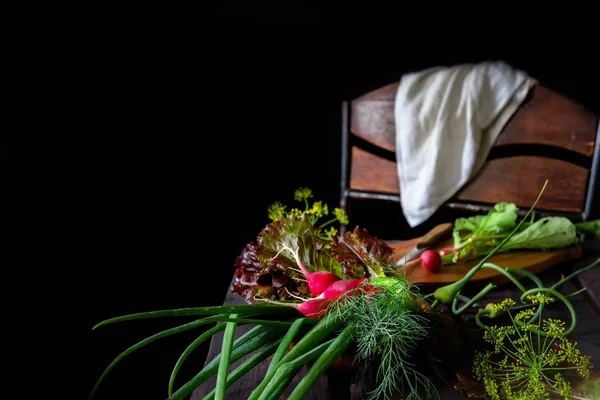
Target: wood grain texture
(372, 117)
(551, 119)
(372, 173)
(513, 179)
(534, 261)
(545, 117)
(519, 180)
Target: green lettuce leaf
(501, 218)
(546, 233)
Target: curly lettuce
(267, 269)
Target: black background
(179, 136)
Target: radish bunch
(325, 286)
(317, 307)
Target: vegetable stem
(240, 309)
(335, 349)
(561, 297)
(148, 340)
(472, 301)
(223, 370)
(247, 344)
(201, 339)
(288, 369)
(283, 346)
(258, 357)
(574, 274)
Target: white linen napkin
(447, 120)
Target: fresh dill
(388, 326)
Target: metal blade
(411, 255)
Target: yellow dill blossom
(296, 212)
(340, 215)
(540, 298)
(319, 209)
(303, 194)
(276, 211)
(330, 232)
(525, 365)
(315, 213)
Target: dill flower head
(527, 365)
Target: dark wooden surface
(544, 118)
(342, 385)
(549, 137)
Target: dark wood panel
(546, 117)
(372, 173)
(373, 117)
(512, 179)
(519, 180)
(551, 119)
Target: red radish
(317, 281)
(312, 308)
(336, 289)
(431, 260)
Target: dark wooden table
(339, 387)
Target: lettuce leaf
(502, 218)
(545, 233)
(266, 268)
(359, 253)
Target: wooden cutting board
(533, 261)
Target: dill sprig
(317, 211)
(528, 361)
(388, 325)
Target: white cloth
(447, 120)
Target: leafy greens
(478, 235)
(265, 271)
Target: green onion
(241, 309)
(334, 350)
(276, 393)
(202, 338)
(241, 340)
(247, 345)
(285, 343)
(288, 369)
(142, 343)
(258, 357)
(313, 337)
(223, 371)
